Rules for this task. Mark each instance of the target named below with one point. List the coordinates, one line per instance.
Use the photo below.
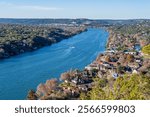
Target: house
(134, 65)
(87, 80)
(121, 59)
(132, 53)
(77, 81)
(102, 58)
(83, 87)
(66, 81)
(91, 74)
(128, 69)
(91, 66)
(88, 68)
(101, 74)
(85, 73)
(101, 67)
(66, 89)
(94, 65)
(112, 59)
(106, 64)
(99, 62)
(110, 51)
(138, 60)
(115, 75)
(113, 64)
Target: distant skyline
(91, 9)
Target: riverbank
(73, 81)
(17, 39)
(21, 73)
(120, 58)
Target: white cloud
(28, 7)
(40, 8)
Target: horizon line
(78, 18)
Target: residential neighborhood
(123, 56)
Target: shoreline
(75, 70)
(109, 66)
(40, 65)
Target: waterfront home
(88, 67)
(132, 53)
(102, 58)
(91, 67)
(110, 51)
(99, 62)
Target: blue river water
(20, 73)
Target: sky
(91, 9)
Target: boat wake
(72, 47)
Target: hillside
(16, 39)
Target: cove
(24, 72)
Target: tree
(107, 59)
(132, 87)
(146, 49)
(128, 87)
(120, 69)
(97, 92)
(130, 58)
(47, 88)
(68, 75)
(65, 76)
(41, 90)
(32, 95)
(143, 42)
(83, 96)
(51, 84)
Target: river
(23, 72)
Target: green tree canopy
(129, 87)
(146, 49)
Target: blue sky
(93, 9)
